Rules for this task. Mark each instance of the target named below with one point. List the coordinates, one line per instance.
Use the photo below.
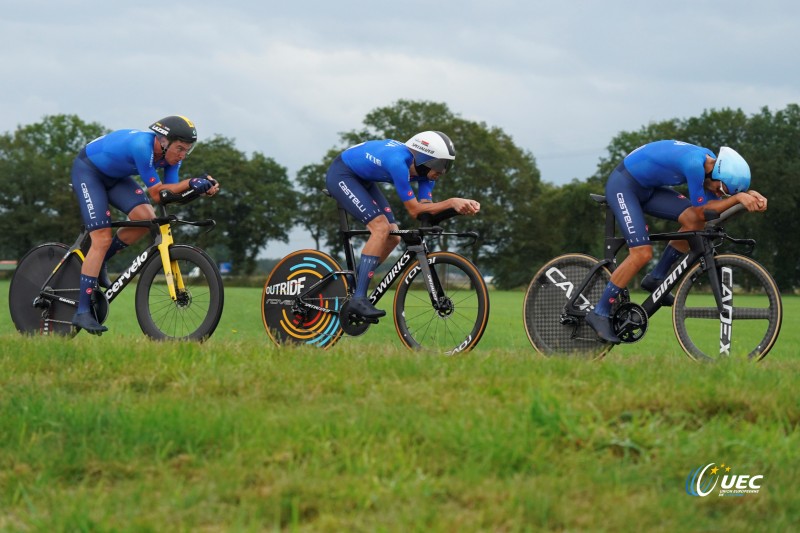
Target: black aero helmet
(176, 128)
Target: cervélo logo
(702, 481)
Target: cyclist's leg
(127, 196)
(669, 204)
(625, 197)
(90, 188)
(390, 242)
(354, 196)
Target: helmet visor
(439, 165)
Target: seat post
(344, 228)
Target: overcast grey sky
(284, 78)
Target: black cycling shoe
(649, 283)
(361, 306)
(102, 278)
(87, 321)
(602, 325)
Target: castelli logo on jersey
(89, 290)
(410, 193)
(139, 191)
(152, 180)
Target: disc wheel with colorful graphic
(316, 323)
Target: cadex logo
(703, 480)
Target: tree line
(523, 221)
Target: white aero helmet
(432, 149)
(732, 170)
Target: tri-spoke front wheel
(749, 321)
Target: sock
(366, 268)
(603, 307)
(669, 256)
(116, 246)
(88, 285)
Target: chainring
(630, 322)
(353, 324)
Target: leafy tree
(36, 201)
(256, 202)
(489, 167)
(317, 211)
(769, 142)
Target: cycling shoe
(361, 306)
(603, 328)
(87, 321)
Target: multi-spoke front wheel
(751, 315)
(196, 311)
(458, 319)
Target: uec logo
(701, 485)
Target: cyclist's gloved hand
(200, 185)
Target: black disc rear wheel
(550, 331)
(35, 313)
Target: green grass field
(121, 433)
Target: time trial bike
(179, 293)
(726, 304)
(441, 303)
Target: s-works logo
(702, 481)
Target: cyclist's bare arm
(751, 200)
(463, 206)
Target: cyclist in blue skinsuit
(353, 179)
(102, 175)
(641, 184)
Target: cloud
(562, 78)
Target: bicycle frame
(701, 248)
(161, 230)
(415, 248)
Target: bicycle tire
(459, 329)
(26, 285)
(757, 311)
(196, 313)
(545, 298)
(294, 273)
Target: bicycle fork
(172, 272)
(439, 301)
